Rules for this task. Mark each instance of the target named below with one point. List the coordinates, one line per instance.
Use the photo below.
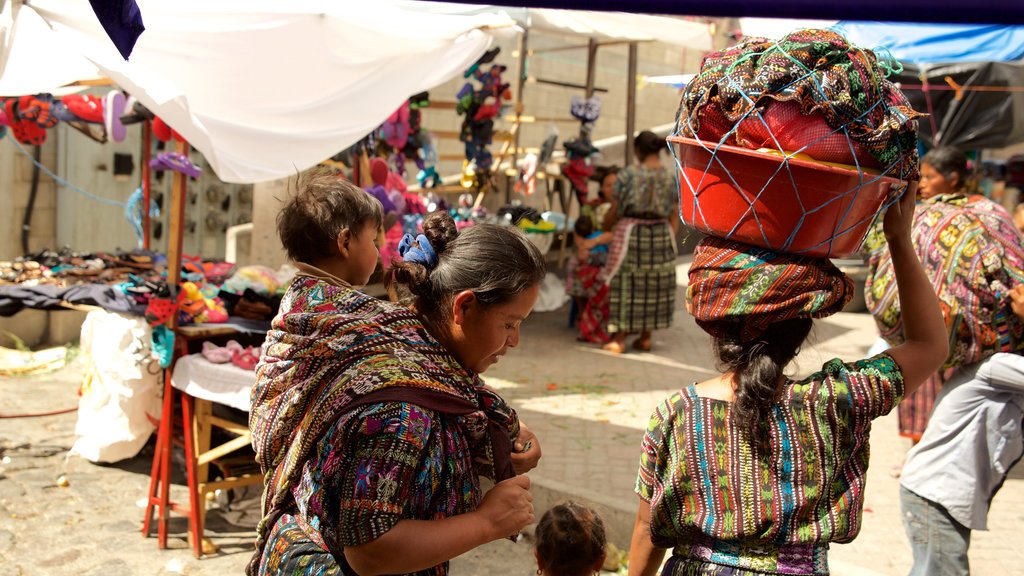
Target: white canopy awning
(592, 24)
(265, 88)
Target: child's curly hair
(323, 206)
(570, 540)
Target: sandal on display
(85, 107)
(247, 358)
(216, 354)
(641, 344)
(614, 347)
(175, 161)
(221, 354)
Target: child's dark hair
(570, 540)
(948, 161)
(496, 263)
(758, 365)
(323, 206)
(584, 226)
(648, 143)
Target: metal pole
(630, 104)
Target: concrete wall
(83, 223)
(265, 246)
(15, 183)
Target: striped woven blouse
(725, 509)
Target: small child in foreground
(570, 541)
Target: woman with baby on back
(369, 418)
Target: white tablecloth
(221, 383)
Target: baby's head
(584, 226)
(331, 224)
(570, 540)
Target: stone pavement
(587, 407)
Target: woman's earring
(539, 571)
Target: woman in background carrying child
(641, 269)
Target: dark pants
(939, 542)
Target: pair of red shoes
(245, 358)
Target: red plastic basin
(795, 206)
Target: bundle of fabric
(733, 284)
(845, 111)
(973, 255)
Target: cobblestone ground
(587, 407)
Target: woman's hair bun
(439, 227)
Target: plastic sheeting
(991, 117)
(914, 43)
(933, 43)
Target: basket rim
(799, 162)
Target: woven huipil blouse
(722, 505)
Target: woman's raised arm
(925, 341)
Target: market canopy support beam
(630, 104)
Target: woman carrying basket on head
(752, 472)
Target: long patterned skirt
(642, 295)
(914, 410)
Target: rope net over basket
(794, 145)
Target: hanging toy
(527, 175)
(479, 108)
(578, 151)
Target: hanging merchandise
(113, 109)
(527, 175)
(25, 131)
(402, 138)
(428, 176)
(175, 161)
(578, 150)
(134, 213)
(479, 108)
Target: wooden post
(591, 66)
(176, 231)
(520, 85)
(630, 105)
(146, 151)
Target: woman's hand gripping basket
(793, 145)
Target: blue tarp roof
(931, 43)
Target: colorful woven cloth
(726, 509)
(973, 255)
(347, 468)
(827, 76)
(733, 282)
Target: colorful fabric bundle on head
(740, 90)
(973, 254)
(736, 283)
